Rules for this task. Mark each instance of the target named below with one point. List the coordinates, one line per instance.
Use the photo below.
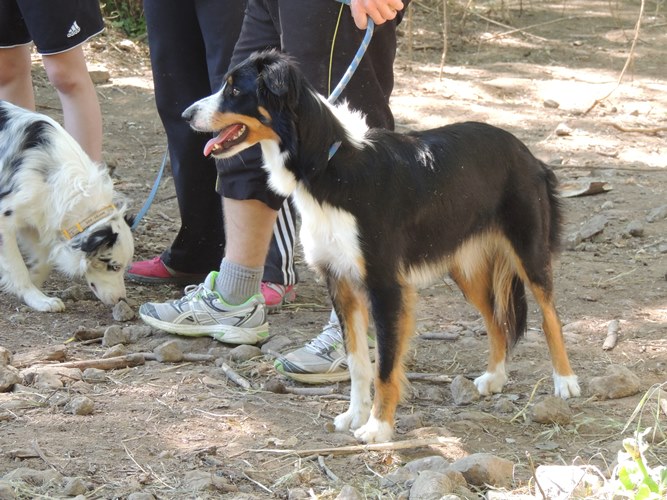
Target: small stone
(80, 405)
(563, 130)
(481, 469)
(76, 293)
(48, 381)
(550, 103)
(6, 491)
(431, 485)
(657, 214)
(169, 352)
(276, 343)
(114, 351)
(552, 410)
(5, 356)
(137, 332)
(410, 421)
(618, 382)
(9, 376)
(244, 353)
(464, 391)
(114, 335)
(99, 75)
(348, 492)
(140, 495)
(123, 312)
(94, 375)
(634, 229)
(74, 487)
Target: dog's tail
(509, 300)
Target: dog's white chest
(329, 237)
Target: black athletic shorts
(53, 25)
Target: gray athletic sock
(236, 283)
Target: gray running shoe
(322, 360)
(203, 312)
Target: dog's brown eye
(235, 91)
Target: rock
(431, 485)
(115, 350)
(464, 391)
(99, 74)
(563, 130)
(481, 469)
(410, 421)
(123, 312)
(33, 477)
(560, 482)
(80, 405)
(48, 381)
(140, 495)
(137, 332)
(618, 382)
(197, 480)
(94, 375)
(657, 214)
(244, 352)
(348, 492)
(594, 225)
(75, 486)
(6, 491)
(276, 344)
(552, 410)
(550, 103)
(9, 376)
(76, 293)
(634, 229)
(114, 335)
(5, 356)
(169, 352)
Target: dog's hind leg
(565, 381)
(494, 297)
(36, 257)
(393, 312)
(352, 310)
(16, 277)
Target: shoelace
(193, 292)
(331, 336)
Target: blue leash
(335, 94)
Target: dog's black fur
(390, 211)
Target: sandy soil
(156, 425)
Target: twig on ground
(346, 450)
(434, 378)
(530, 399)
(439, 336)
(326, 470)
(532, 471)
(275, 385)
(649, 131)
(235, 377)
(612, 335)
(114, 363)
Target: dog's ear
(275, 75)
(90, 242)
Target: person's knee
(64, 80)
(13, 69)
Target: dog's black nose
(188, 114)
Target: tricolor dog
(389, 212)
(56, 210)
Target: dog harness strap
(80, 227)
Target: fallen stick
(439, 336)
(276, 386)
(612, 335)
(235, 377)
(117, 362)
(40, 355)
(346, 450)
(650, 131)
(433, 378)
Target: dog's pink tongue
(222, 137)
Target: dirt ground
(156, 425)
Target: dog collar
(80, 227)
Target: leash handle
(335, 94)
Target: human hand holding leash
(379, 11)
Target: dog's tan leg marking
(565, 381)
(352, 309)
(380, 426)
(477, 289)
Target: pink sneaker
(156, 272)
(276, 295)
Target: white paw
(374, 431)
(37, 300)
(490, 383)
(351, 420)
(566, 387)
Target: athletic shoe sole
(223, 333)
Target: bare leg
(15, 77)
(68, 73)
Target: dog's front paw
(40, 302)
(350, 420)
(566, 387)
(490, 383)
(374, 431)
